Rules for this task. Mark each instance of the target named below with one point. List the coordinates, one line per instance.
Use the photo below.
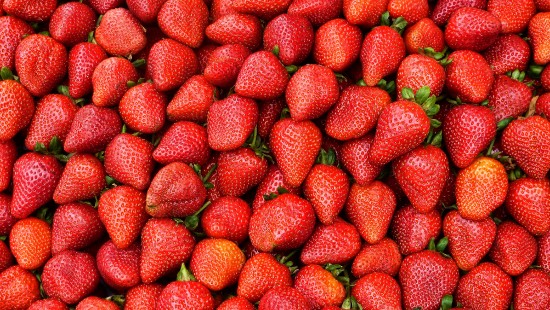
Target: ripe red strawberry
(73, 286)
(370, 209)
(364, 13)
(354, 157)
(12, 31)
(35, 177)
(143, 108)
(102, 6)
(270, 184)
(514, 249)
(224, 64)
(263, 9)
(92, 129)
(41, 63)
(236, 28)
(542, 5)
(377, 291)
(381, 53)
(170, 64)
(319, 287)
(145, 11)
(83, 59)
(467, 130)
(236, 303)
(283, 223)
(6, 258)
(337, 243)
(337, 44)
(426, 277)
(31, 242)
(48, 304)
(71, 22)
(485, 286)
(239, 170)
(514, 18)
(524, 139)
(461, 33)
(509, 98)
(445, 8)
(508, 53)
(469, 241)
(413, 230)
(184, 22)
(192, 101)
(7, 220)
(543, 105)
(75, 226)
(261, 273)
(220, 8)
(383, 257)
(543, 256)
(469, 76)
(411, 11)
(317, 12)
(185, 142)
(269, 113)
(110, 79)
(8, 156)
(31, 11)
(165, 245)
(423, 34)
(19, 288)
(284, 298)
(142, 296)
(185, 295)
(292, 35)
(417, 71)
(538, 34)
(262, 77)
(17, 108)
(94, 302)
(532, 290)
(227, 217)
(119, 268)
(528, 202)
(83, 178)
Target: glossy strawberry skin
(317, 12)
(83, 59)
(425, 33)
(238, 171)
(319, 286)
(236, 303)
(31, 242)
(528, 202)
(413, 230)
(445, 8)
(364, 13)
(354, 155)
(142, 108)
(71, 22)
(145, 11)
(83, 178)
(109, 80)
(377, 290)
(514, 249)
(19, 288)
(337, 44)
(543, 255)
(187, 294)
(411, 11)
(293, 34)
(224, 64)
(30, 11)
(185, 142)
(102, 6)
(509, 98)
(272, 181)
(459, 33)
(417, 71)
(469, 76)
(142, 296)
(94, 302)
(262, 77)
(228, 218)
(119, 268)
(283, 298)
(383, 257)
(508, 53)
(184, 22)
(192, 100)
(514, 19)
(538, 34)
(532, 290)
(264, 9)
(12, 32)
(8, 156)
(18, 108)
(269, 113)
(48, 304)
(236, 29)
(485, 286)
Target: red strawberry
(364, 13)
(102, 6)
(83, 59)
(239, 170)
(48, 304)
(185, 295)
(12, 31)
(83, 178)
(270, 184)
(514, 249)
(32, 11)
(227, 217)
(41, 63)
(35, 177)
(70, 276)
(19, 288)
(337, 243)
(467, 130)
(269, 114)
(184, 22)
(370, 208)
(262, 77)
(543, 256)
(264, 9)
(532, 290)
(92, 129)
(261, 273)
(542, 5)
(445, 8)
(221, 8)
(514, 18)
(110, 80)
(423, 34)
(185, 142)
(119, 268)
(75, 226)
(165, 245)
(7, 220)
(528, 202)
(508, 53)
(417, 71)
(17, 108)
(337, 44)
(6, 258)
(31, 242)
(142, 296)
(94, 302)
(509, 98)
(524, 140)
(319, 287)
(486, 286)
(411, 11)
(461, 33)
(192, 101)
(543, 105)
(317, 12)
(469, 76)
(170, 64)
(8, 156)
(236, 28)
(413, 230)
(284, 298)
(145, 11)
(354, 157)
(538, 34)
(283, 223)
(383, 257)
(377, 291)
(224, 64)
(143, 108)
(292, 35)
(236, 303)
(71, 22)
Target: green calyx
(516, 75)
(286, 260)
(389, 87)
(255, 143)
(205, 179)
(184, 274)
(326, 157)
(192, 221)
(7, 74)
(423, 98)
(397, 24)
(54, 148)
(117, 299)
(280, 190)
(442, 57)
(534, 71)
(440, 246)
(446, 302)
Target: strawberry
(514, 249)
(192, 101)
(271, 183)
(532, 290)
(8, 156)
(292, 37)
(17, 108)
(183, 141)
(35, 177)
(224, 64)
(295, 145)
(524, 139)
(543, 256)
(261, 273)
(284, 298)
(319, 287)
(31, 11)
(83, 59)
(129, 160)
(92, 129)
(41, 63)
(75, 226)
(83, 178)
(7, 220)
(528, 202)
(236, 28)
(264, 9)
(70, 276)
(459, 33)
(417, 71)
(381, 53)
(102, 6)
(317, 12)
(514, 18)
(336, 243)
(311, 92)
(170, 64)
(469, 76)
(122, 211)
(485, 286)
(262, 77)
(31, 242)
(119, 268)
(110, 80)
(71, 22)
(411, 11)
(481, 188)
(94, 302)
(165, 245)
(423, 34)
(337, 44)
(542, 105)
(467, 130)
(376, 291)
(227, 217)
(509, 98)
(445, 8)
(12, 31)
(143, 108)
(283, 223)
(469, 241)
(538, 35)
(48, 304)
(145, 11)
(236, 303)
(239, 171)
(364, 13)
(185, 295)
(370, 209)
(413, 230)
(19, 288)
(221, 8)
(6, 258)
(184, 22)
(383, 257)
(154, 35)
(269, 113)
(142, 296)
(426, 277)
(508, 53)
(542, 5)
(354, 157)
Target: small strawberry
(31, 242)
(424, 34)
(262, 77)
(486, 286)
(364, 13)
(236, 28)
(119, 268)
(445, 8)
(224, 64)
(514, 249)
(528, 202)
(383, 257)
(539, 33)
(417, 71)
(377, 291)
(142, 296)
(142, 108)
(71, 22)
(239, 170)
(283, 297)
(183, 141)
(461, 34)
(94, 302)
(19, 288)
(269, 113)
(316, 11)
(228, 218)
(509, 98)
(469, 76)
(110, 80)
(8, 156)
(83, 59)
(411, 11)
(146, 11)
(272, 183)
(83, 178)
(192, 101)
(292, 37)
(354, 155)
(185, 295)
(508, 53)
(532, 290)
(184, 22)
(264, 9)
(413, 230)
(319, 287)
(7, 220)
(542, 106)
(48, 304)
(12, 31)
(236, 303)
(17, 108)
(31, 11)
(543, 255)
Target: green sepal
(446, 302)
(503, 123)
(117, 299)
(276, 50)
(6, 74)
(361, 82)
(385, 19)
(442, 244)
(326, 157)
(534, 71)
(184, 274)
(138, 63)
(192, 221)
(3, 238)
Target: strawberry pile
(274, 154)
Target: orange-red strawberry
(525, 140)
(83, 59)
(292, 35)
(508, 53)
(185, 142)
(184, 22)
(192, 101)
(264, 9)
(469, 241)
(227, 217)
(532, 290)
(317, 12)
(472, 29)
(514, 249)
(17, 108)
(165, 245)
(102, 6)
(224, 64)
(122, 211)
(94, 302)
(383, 257)
(12, 31)
(262, 77)
(469, 76)
(32, 11)
(514, 18)
(509, 98)
(19, 288)
(35, 177)
(239, 170)
(75, 226)
(319, 287)
(7, 220)
(284, 298)
(445, 8)
(143, 108)
(8, 156)
(377, 291)
(337, 44)
(364, 13)
(236, 303)
(142, 296)
(354, 155)
(236, 29)
(413, 230)
(539, 32)
(486, 286)
(83, 178)
(31, 242)
(71, 22)
(185, 295)
(261, 273)
(271, 183)
(6, 258)
(423, 34)
(110, 80)
(119, 268)
(146, 11)
(417, 71)
(170, 64)
(411, 11)
(48, 304)
(528, 202)
(370, 209)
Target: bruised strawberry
(316, 11)
(469, 76)
(514, 249)
(445, 8)
(142, 108)
(508, 53)
(185, 142)
(236, 29)
(292, 37)
(119, 268)
(319, 287)
(142, 296)
(472, 29)
(539, 33)
(509, 98)
(364, 13)
(424, 34)
(485, 286)
(383, 257)
(377, 290)
(262, 77)
(192, 101)
(411, 11)
(31, 11)
(184, 22)
(83, 59)
(83, 178)
(110, 78)
(224, 64)
(71, 22)
(19, 288)
(12, 31)
(413, 230)
(17, 108)
(146, 11)
(532, 290)
(264, 9)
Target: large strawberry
(110, 80)
(8, 156)
(71, 22)
(319, 287)
(528, 202)
(411, 11)
(383, 257)
(291, 36)
(240, 170)
(236, 28)
(224, 64)
(83, 178)
(514, 248)
(31, 242)
(17, 108)
(142, 108)
(485, 286)
(317, 12)
(337, 44)
(19, 288)
(364, 13)
(192, 101)
(417, 71)
(228, 218)
(32, 11)
(469, 76)
(538, 34)
(445, 8)
(413, 230)
(508, 53)
(12, 31)
(354, 156)
(120, 33)
(532, 290)
(83, 58)
(509, 98)
(185, 142)
(472, 29)
(424, 34)
(262, 77)
(119, 268)
(377, 291)
(184, 21)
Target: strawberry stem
(192, 221)
(255, 143)
(276, 50)
(6, 74)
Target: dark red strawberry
(472, 29)
(83, 178)
(224, 64)
(528, 202)
(102, 6)
(239, 170)
(145, 11)
(283, 297)
(8, 156)
(354, 155)
(19, 288)
(184, 22)
(17, 108)
(509, 98)
(508, 53)
(185, 142)
(377, 290)
(110, 80)
(417, 71)
(236, 28)
(532, 290)
(383, 257)
(484, 287)
(264, 9)
(514, 249)
(319, 287)
(445, 8)
(317, 12)
(142, 296)
(469, 76)
(411, 11)
(271, 183)
(364, 13)
(12, 31)
(262, 77)
(290, 36)
(71, 22)
(424, 34)
(514, 18)
(192, 101)
(83, 58)
(269, 113)
(33, 11)
(119, 268)
(413, 230)
(143, 108)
